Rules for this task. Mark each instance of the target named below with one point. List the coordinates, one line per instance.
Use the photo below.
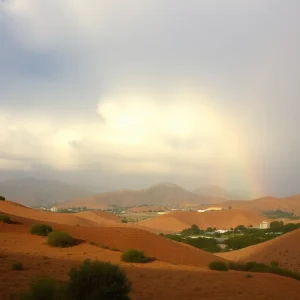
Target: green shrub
(253, 266)
(94, 280)
(218, 265)
(60, 239)
(17, 266)
(2, 198)
(40, 229)
(274, 263)
(135, 256)
(104, 247)
(115, 249)
(43, 289)
(5, 219)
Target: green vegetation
(135, 256)
(193, 230)
(98, 280)
(60, 239)
(17, 266)
(262, 268)
(5, 219)
(2, 198)
(218, 265)
(280, 214)
(92, 280)
(234, 239)
(40, 229)
(205, 243)
(44, 289)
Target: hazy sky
(128, 93)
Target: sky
(125, 94)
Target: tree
(276, 225)
(2, 198)
(209, 229)
(240, 228)
(195, 229)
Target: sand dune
(284, 249)
(12, 208)
(156, 280)
(98, 216)
(267, 203)
(179, 220)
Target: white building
(210, 209)
(264, 225)
(53, 209)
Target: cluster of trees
(206, 244)
(237, 238)
(280, 214)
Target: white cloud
(137, 135)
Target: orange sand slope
(284, 249)
(89, 219)
(124, 238)
(225, 219)
(156, 280)
(266, 203)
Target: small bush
(115, 249)
(5, 219)
(135, 256)
(2, 198)
(253, 266)
(94, 280)
(41, 229)
(249, 276)
(237, 266)
(17, 266)
(60, 239)
(274, 263)
(104, 247)
(218, 265)
(43, 289)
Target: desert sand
(225, 219)
(267, 203)
(284, 249)
(155, 280)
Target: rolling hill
(160, 194)
(224, 219)
(36, 192)
(267, 203)
(283, 249)
(214, 191)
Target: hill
(171, 279)
(160, 194)
(214, 191)
(267, 203)
(36, 192)
(283, 249)
(86, 219)
(224, 219)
